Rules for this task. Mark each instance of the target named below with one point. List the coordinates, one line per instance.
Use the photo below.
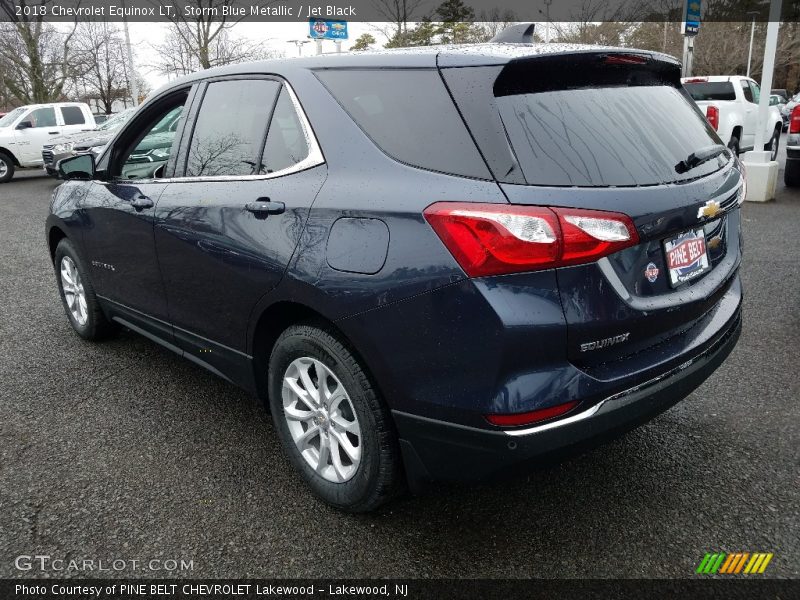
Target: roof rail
(521, 33)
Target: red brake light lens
(497, 239)
(794, 120)
(625, 59)
(534, 416)
(712, 114)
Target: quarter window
(72, 115)
(286, 143)
(229, 133)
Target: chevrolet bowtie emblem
(709, 210)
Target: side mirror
(77, 167)
(24, 125)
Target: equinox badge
(605, 342)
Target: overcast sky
(274, 35)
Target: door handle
(265, 206)
(52, 132)
(142, 202)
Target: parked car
(778, 102)
(438, 263)
(787, 109)
(791, 173)
(731, 106)
(26, 129)
(785, 95)
(81, 142)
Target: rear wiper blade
(698, 157)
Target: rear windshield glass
(711, 90)
(606, 136)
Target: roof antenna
(521, 33)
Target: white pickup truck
(730, 104)
(26, 129)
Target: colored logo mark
(734, 563)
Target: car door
(228, 225)
(119, 210)
(33, 131)
(750, 107)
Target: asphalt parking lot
(125, 451)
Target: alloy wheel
(321, 419)
(3, 168)
(74, 294)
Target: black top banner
(443, 589)
(391, 10)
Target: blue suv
(433, 264)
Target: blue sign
(692, 17)
(327, 30)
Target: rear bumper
(437, 450)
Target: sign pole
(770, 48)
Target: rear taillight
(496, 239)
(794, 120)
(712, 114)
(534, 416)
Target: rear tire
(6, 167)
(333, 425)
(78, 296)
(773, 143)
(734, 145)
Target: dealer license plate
(686, 257)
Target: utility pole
(770, 47)
(547, 4)
(132, 68)
(752, 31)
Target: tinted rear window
(583, 120)
(410, 116)
(712, 90)
(619, 136)
(73, 115)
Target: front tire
(78, 296)
(333, 425)
(6, 167)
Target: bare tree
(203, 40)
(398, 13)
(99, 47)
(37, 58)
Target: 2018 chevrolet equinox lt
(435, 264)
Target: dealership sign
(692, 22)
(327, 30)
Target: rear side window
(73, 115)
(711, 90)
(410, 116)
(286, 143)
(230, 128)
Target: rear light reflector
(712, 114)
(794, 120)
(534, 416)
(497, 239)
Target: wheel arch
(54, 235)
(278, 317)
(4, 150)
